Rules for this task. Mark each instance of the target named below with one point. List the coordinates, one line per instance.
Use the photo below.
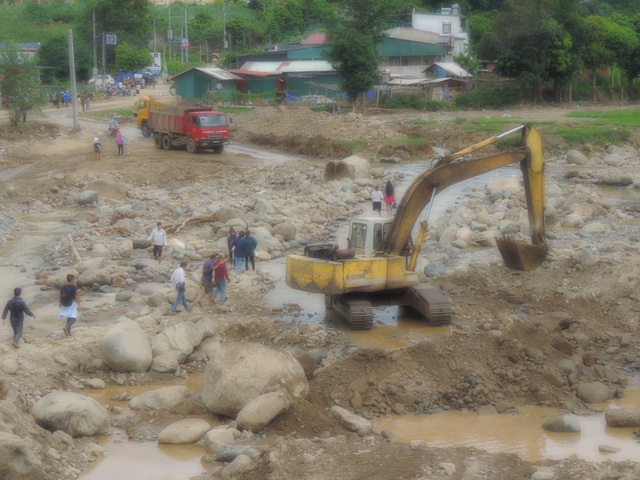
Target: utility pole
(72, 74)
(94, 72)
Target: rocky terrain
(298, 400)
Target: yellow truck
(378, 265)
(158, 103)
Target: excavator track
(434, 306)
(357, 313)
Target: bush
(415, 102)
(490, 95)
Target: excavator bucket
(521, 256)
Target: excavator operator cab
(367, 234)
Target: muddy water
(520, 434)
(141, 460)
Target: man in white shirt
(376, 198)
(178, 280)
(159, 238)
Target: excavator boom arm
(451, 170)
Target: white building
(449, 25)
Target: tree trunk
(593, 85)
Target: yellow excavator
(378, 266)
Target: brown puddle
(520, 434)
(126, 458)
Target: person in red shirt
(221, 277)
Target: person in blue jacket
(240, 252)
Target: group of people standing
(242, 249)
(215, 273)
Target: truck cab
(367, 234)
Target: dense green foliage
(543, 45)
(19, 85)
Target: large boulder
(161, 398)
(575, 157)
(184, 432)
(238, 374)
(17, 461)
(562, 423)
(73, 413)
(622, 418)
(183, 338)
(125, 348)
(593, 392)
(86, 197)
(90, 277)
(260, 411)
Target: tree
(54, 53)
(607, 43)
(354, 56)
(532, 47)
(19, 84)
(130, 58)
(354, 43)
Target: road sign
(111, 39)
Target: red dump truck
(194, 127)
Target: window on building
(446, 27)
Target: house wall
(407, 53)
(458, 36)
(196, 84)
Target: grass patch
(107, 114)
(234, 109)
(626, 117)
(354, 145)
(418, 122)
(592, 134)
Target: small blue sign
(111, 39)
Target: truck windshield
(210, 121)
(358, 235)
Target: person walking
(97, 148)
(376, 199)
(159, 238)
(240, 253)
(69, 303)
(18, 308)
(221, 277)
(178, 280)
(206, 281)
(389, 197)
(120, 143)
(87, 103)
(252, 243)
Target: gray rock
(351, 421)
(184, 432)
(17, 461)
(161, 398)
(563, 423)
(575, 157)
(239, 373)
(86, 197)
(261, 411)
(593, 392)
(125, 348)
(622, 418)
(73, 413)
(228, 453)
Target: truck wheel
(157, 141)
(218, 149)
(191, 146)
(146, 131)
(166, 142)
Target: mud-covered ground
(510, 330)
